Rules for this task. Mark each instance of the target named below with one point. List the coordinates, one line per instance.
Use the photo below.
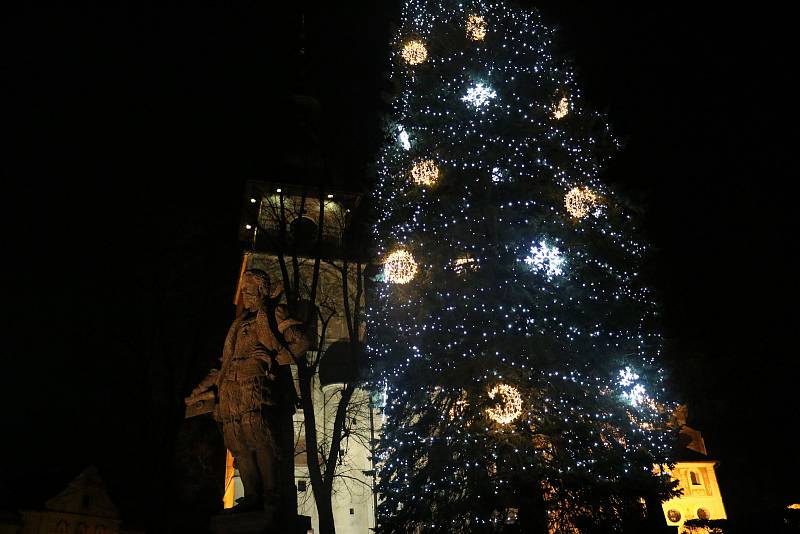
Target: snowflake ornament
(545, 259)
(479, 95)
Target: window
(695, 478)
(303, 230)
(702, 513)
(674, 516)
(301, 485)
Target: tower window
(302, 485)
(674, 516)
(695, 478)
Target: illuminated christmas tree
(514, 336)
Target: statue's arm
(297, 340)
(213, 376)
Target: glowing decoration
(479, 95)
(402, 138)
(400, 267)
(627, 377)
(425, 172)
(561, 109)
(476, 28)
(579, 201)
(414, 52)
(510, 404)
(497, 175)
(637, 394)
(545, 259)
(461, 265)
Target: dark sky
(133, 127)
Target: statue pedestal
(256, 523)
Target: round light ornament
(400, 267)
(414, 52)
(579, 201)
(476, 28)
(425, 172)
(510, 404)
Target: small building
(695, 474)
(83, 507)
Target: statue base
(256, 523)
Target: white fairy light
(479, 95)
(545, 259)
(497, 175)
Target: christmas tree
(512, 331)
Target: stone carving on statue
(253, 396)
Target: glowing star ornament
(545, 259)
(561, 109)
(479, 95)
(510, 406)
(414, 52)
(476, 28)
(425, 172)
(579, 201)
(400, 267)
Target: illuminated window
(674, 516)
(695, 478)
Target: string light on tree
(545, 259)
(400, 267)
(479, 95)
(579, 201)
(509, 407)
(414, 52)
(476, 28)
(425, 172)
(561, 109)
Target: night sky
(133, 127)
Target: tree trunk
(322, 491)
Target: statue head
(255, 288)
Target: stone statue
(255, 396)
